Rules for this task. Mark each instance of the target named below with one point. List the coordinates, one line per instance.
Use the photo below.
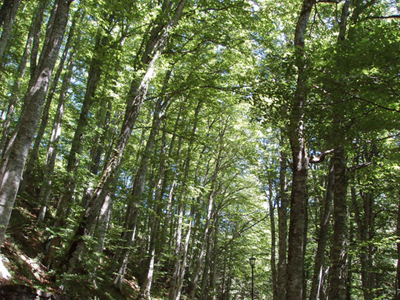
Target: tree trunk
(319, 261)
(337, 289)
(208, 226)
(181, 251)
(34, 153)
(132, 211)
(29, 119)
(271, 207)
(282, 229)
(155, 224)
(173, 183)
(8, 13)
(55, 136)
(95, 72)
(337, 273)
(398, 255)
(298, 202)
(15, 94)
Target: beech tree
(16, 152)
(156, 146)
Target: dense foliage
(150, 148)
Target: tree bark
(29, 120)
(15, 94)
(339, 248)
(51, 156)
(181, 250)
(34, 153)
(398, 255)
(338, 272)
(282, 229)
(298, 202)
(208, 226)
(271, 207)
(130, 226)
(8, 13)
(156, 220)
(324, 226)
(95, 73)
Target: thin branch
(375, 104)
(383, 17)
(358, 167)
(245, 227)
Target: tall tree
(299, 196)
(8, 12)
(19, 145)
(153, 48)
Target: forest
(200, 149)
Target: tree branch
(320, 158)
(384, 17)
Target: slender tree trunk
(173, 294)
(155, 224)
(136, 96)
(8, 13)
(15, 95)
(398, 255)
(130, 226)
(319, 261)
(30, 118)
(95, 72)
(208, 226)
(36, 23)
(185, 254)
(364, 222)
(205, 278)
(339, 248)
(175, 289)
(34, 153)
(338, 272)
(168, 208)
(282, 228)
(215, 289)
(55, 136)
(160, 189)
(271, 207)
(298, 204)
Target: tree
(298, 201)
(18, 147)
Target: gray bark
(15, 94)
(168, 207)
(181, 250)
(208, 226)
(45, 191)
(8, 13)
(34, 153)
(282, 228)
(29, 120)
(95, 72)
(317, 283)
(298, 202)
(271, 206)
(132, 212)
(160, 189)
(338, 272)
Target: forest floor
(22, 270)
